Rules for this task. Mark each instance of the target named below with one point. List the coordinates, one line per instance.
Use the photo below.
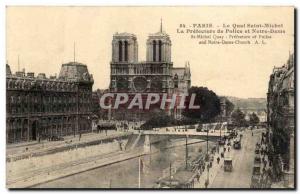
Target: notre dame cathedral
(155, 75)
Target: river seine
(125, 174)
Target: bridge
(209, 131)
(210, 135)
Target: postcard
(150, 97)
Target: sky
(43, 38)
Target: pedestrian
(206, 183)
(265, 162)
(79, 136)
(229, 149)
(218, 160)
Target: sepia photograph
(150, 97)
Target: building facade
(155, 75)
(260, 113)
(38, 107)
(281, 118)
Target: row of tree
(239, 119)
(210, 110)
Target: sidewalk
(213, 171)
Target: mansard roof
(75, 71)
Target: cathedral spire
(161, 25)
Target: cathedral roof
(159, 35)
(178, 70)
(182, 72)
(124, 35)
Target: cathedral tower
(159, 47)
(124, 48)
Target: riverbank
(51, 173)
(33, 149)
(33, 171)
(125, 174)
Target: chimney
(20, 74)
(41, 76)
(30, 74)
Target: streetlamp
(220, 138)
(207, 143)
(186, 152)
(207, 157)
(207, 175)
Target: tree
(254, 120)
(160, 119)
(238, 118)
(95, 106)
(229, 107)
(209, 104)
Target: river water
(126, 174)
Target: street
(243, 161)
(240, 177)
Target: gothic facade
(40, 107)
(155, 75)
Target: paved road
(243, 161)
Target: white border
(5, 3)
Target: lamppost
(221, 131)
(186, 152)
(207, 175)
(207, 143)
(220, 138)
(207, 158)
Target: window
(154, 50)
(159, 50)
(120, 51)
(126, 51)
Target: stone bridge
(211, 136)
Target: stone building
(280, 117)
(38, 107)
(155, 75)
(261, 113)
